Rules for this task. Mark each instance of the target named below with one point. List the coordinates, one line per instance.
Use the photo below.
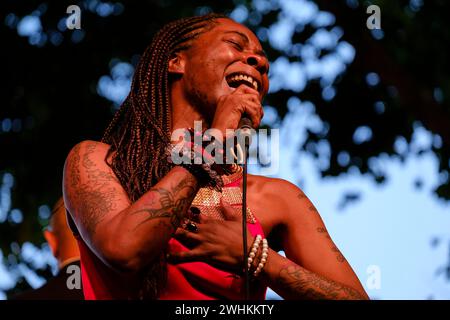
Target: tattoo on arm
(312, 208)
(94, 197)
(298, 283)
(339, 256)
(172, 203)
(301, 195)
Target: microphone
(244, 129)
(245, 122)
(244, 132)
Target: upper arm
(307, 242)
(92, 193)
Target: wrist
(258, 256)
(190, 154)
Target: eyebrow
(245, 38)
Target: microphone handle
(245, 123)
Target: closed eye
(236, 45)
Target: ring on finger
(191, 226)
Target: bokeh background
(364, 119)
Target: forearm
(144, 228)
(292, 281)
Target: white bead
(252, 254)
(263, 260)
(264, 255)
(260, 265)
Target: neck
(67, 253)
(184, 113)
(67, 261)
(185, 116)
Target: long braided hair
(140, 130)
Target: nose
(259, 62)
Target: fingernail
(195, 210)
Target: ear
(52, 242)
(177, 64)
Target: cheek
(266, 85)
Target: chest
(260, 209)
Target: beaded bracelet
(263, 260)
(253, 251)
(204, 172)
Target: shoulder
(87, 154)
(274, 186)
(89, 148)
(89, 183)
(281, 195)
(86, 165)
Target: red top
(185, 281)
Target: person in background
(65, 285)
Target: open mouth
(234, 80)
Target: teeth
(244, 77)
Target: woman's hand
(215, 242)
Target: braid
(140, 130)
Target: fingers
(231, 107)
(183, 234)
(251, 103)
(230, 213)
(189, 239)
(246, 89)
(185, 256)
(248, 106)
(195, 215)
(254, 111)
